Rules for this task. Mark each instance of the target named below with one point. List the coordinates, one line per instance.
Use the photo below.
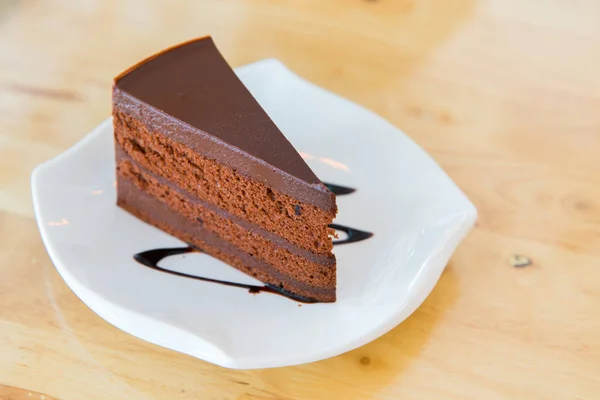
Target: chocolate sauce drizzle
(151, 258)
(339, 190)
(354, 235)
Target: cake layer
(302, 224)
(285, 257)
(154, 212)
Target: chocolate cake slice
(200, 159)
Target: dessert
(199, 158)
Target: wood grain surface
(504, 94)
(13, 393)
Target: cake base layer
(158, 214)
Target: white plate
(416, 212)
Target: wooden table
(504, 94)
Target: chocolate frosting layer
(191, 94)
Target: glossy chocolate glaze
(190, 94)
